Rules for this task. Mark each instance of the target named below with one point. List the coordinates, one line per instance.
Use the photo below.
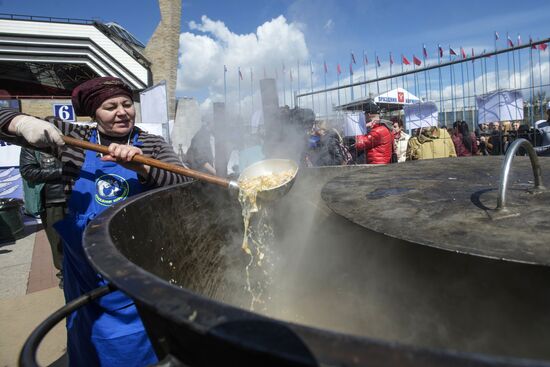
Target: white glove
(38, 132)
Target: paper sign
(354, 124)
(420, 115)
(503, 105)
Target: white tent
(398, 96)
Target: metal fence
(453, 84)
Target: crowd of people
(386, 141)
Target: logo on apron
(111, 189)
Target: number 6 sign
(64, 112)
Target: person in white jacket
(401, 140)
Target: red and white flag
(440, 50)
(462, 52)
(424, 51)
(417, 61)
(531, 43)
(510, 43)
(338, 69)
(452, 52)
(496, 36)
(543, 46)
(404, 60)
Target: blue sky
(330, 29)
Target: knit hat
(88, 96)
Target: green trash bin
(11, 219)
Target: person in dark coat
(328, 151)
(43, 168)
(202, 150)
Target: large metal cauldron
(352, 296)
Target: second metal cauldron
(340, 294)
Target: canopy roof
(392, 100)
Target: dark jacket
(329, 152)
(38, 167)
(200, 150)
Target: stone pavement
(29, 293)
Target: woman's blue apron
(107, 332)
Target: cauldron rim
(180, 305)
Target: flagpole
(519, 62)
(469, 91)
(485, 74)
(508, 57)
(403, 72)
(415, 78)
(452, 85)
(225, 86)
(463, 91)
(251, 92)
(439, 52)
(351, 73)
(376, 66)
(284, 85)
(291, 88)
(531, 89)
(475, 92)
(391, 79)
(326, 96)
(425, 75)
(496, 62)
(481, 61)
(239, 77)
(338, 82)
(540, 84)
(298, 90)
(311, 84)
(365, 75)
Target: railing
(38, 18)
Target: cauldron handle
(505, 169)
(27, 357)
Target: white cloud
(211, 45)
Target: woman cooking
(108, 332)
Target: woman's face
(115, 116)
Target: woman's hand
(36, 132)
(123, 155)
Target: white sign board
(154, 106)
(420, 115)
(9, 155)
(354, 124)
(398, 96)
(155, 129)
(503, 105)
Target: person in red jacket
(378, 142)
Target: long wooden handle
(151, 162)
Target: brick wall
(163, 49)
